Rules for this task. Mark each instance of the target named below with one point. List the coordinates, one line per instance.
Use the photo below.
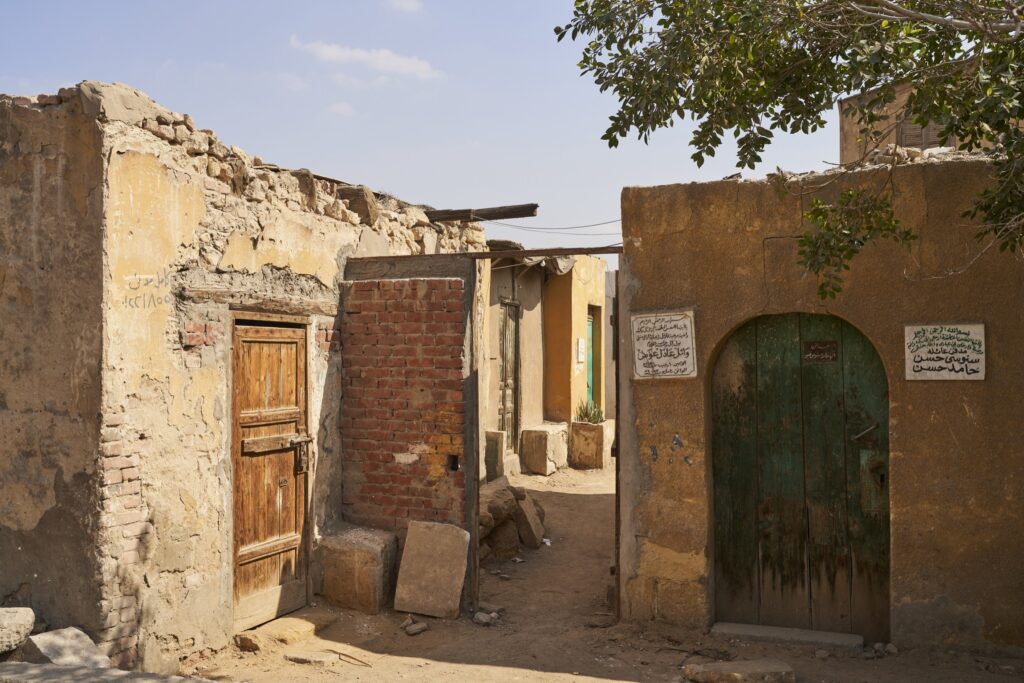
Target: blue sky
(452, 103)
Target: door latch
(301, 444)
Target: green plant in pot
(588, 411)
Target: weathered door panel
(270, 452)
(734, 475)
(782, 523)
(508, 375)
(801, 497)
(825, 472)
(867, 471)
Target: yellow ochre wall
(566, 298)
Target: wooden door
(508, 375)
(270, 459)
(799, 465)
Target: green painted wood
(867, 484)
(824, 449)
(590, 359)
(800, 477)
(734, 476)
(782, 523)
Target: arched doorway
(800, 456)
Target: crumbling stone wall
(403, 405)
(170, 235)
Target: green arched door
(800, 455)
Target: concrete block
(64, 647)
(545, 448)
(787, 635)
(433, 569)
(494, 455)
(749, 671)
(15, 626)
(586, 446)
(528, 523)
(359, 568)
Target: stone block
(297, 626)
(433, 569)
(528, 524)
(749, 671)
(65, 647)
(586, 446)
(545, 448)
(782, 634)
(494, 455)
(16, 625)
(362, 201)
(504, 540)
(497, 500)
(359, 568)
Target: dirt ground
(557, 625)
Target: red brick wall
(402, 408)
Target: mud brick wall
(403, 408)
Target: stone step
(788, 635)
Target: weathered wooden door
(800, 469)
(508, 374)
(270, 458)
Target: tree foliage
(757, 68)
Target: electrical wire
(540, 228)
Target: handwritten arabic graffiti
(144, 290)
(945, 352)
(663, 345)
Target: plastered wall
(566, 301)
(729, 251)
(51, 198)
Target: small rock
(181, 134)
(759, 670)
(409, 621)
(821, 654)
(416, 629)
(504, 577)
(189, 122)
(868, 654)
(494, 616)
(248, 641)
(164, 119)
(892, 649)
(257, 160)
(218, 150)
(488, 607)
(880, 648)
(482, 618)
(494, 572)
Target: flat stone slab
(528, 524)
(788, 635)
(26, 672)
(433, 569)
(64, 647)
(297, 626)
(15, 626)
(749, 671)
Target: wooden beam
(531, 253)
(493, 213)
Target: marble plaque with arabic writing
(663, 345)
(945, 351)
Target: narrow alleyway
(557, 625)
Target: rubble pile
(509, 519)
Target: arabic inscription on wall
(663, 345)
(945, 351)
